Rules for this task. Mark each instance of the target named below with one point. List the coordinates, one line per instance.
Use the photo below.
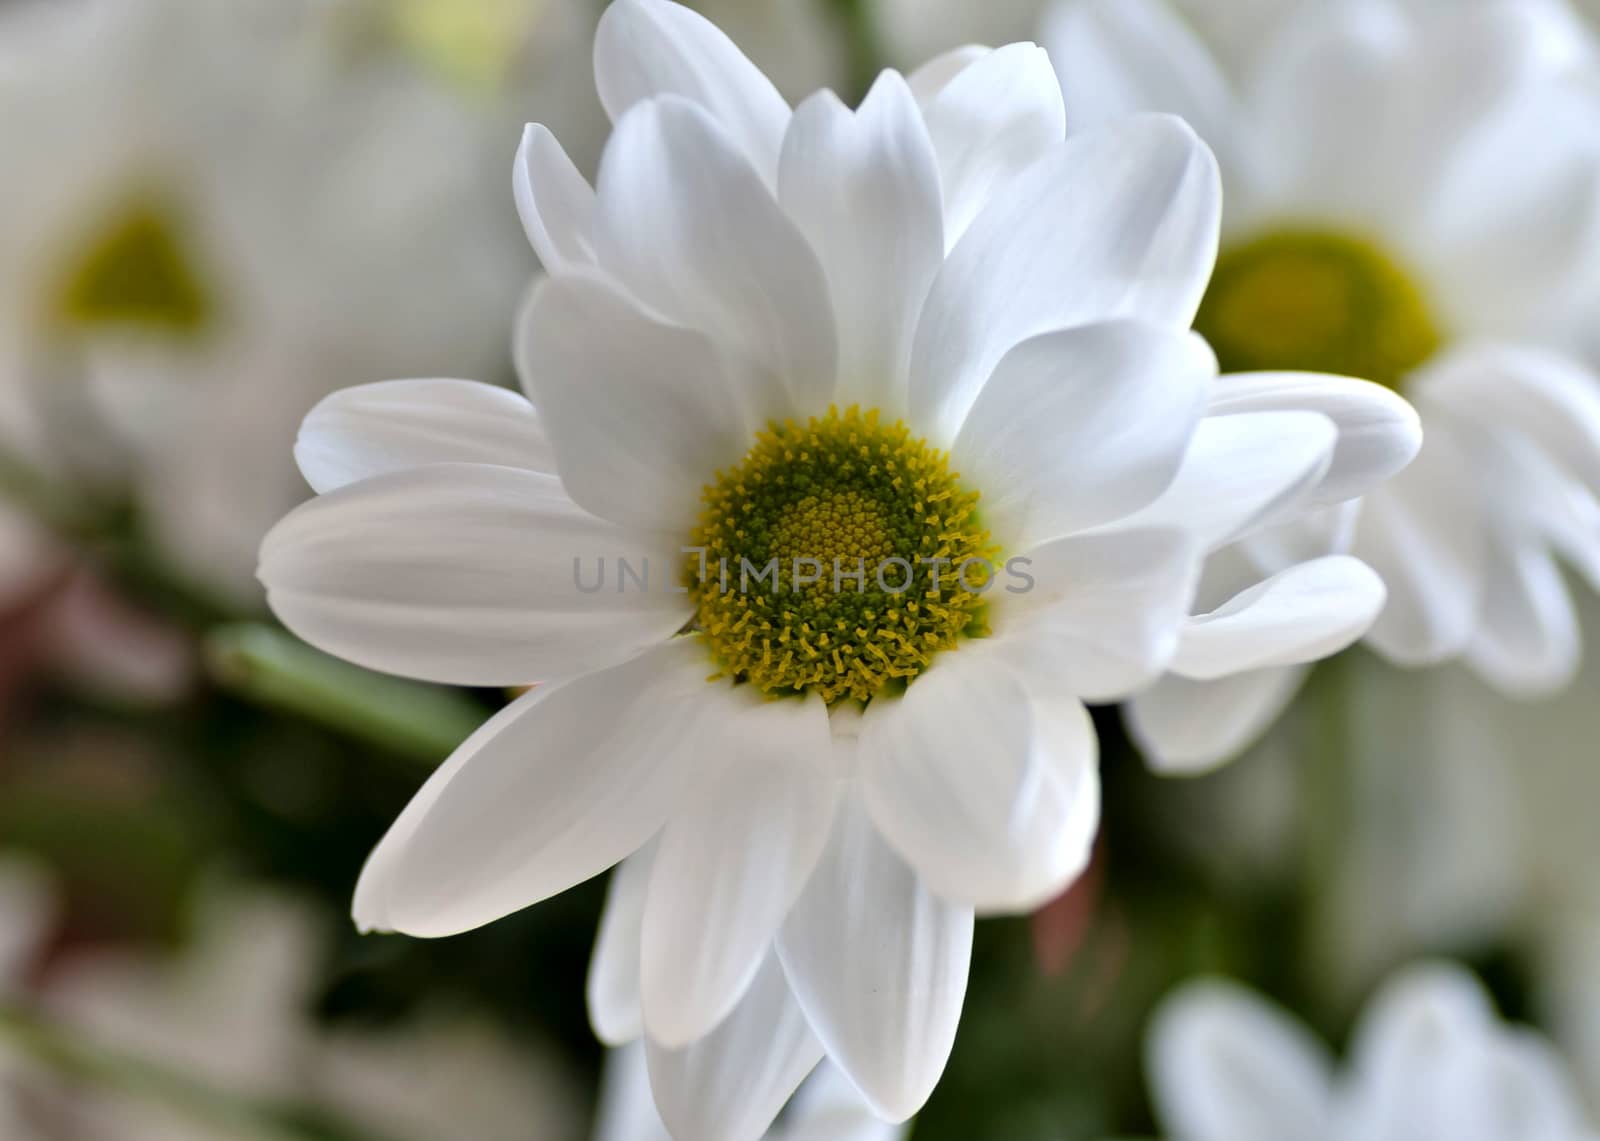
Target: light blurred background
(215, 212)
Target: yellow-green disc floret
(837, 558)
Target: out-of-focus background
(215, 212)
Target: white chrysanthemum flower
(1411, 198)
(203, 243)
(1430, 1059)
(827, 1108)
(931, 333)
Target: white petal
(1188, 727)
(879, 965)
(647, 48)
(1226, 1066)
(1243, 472)
(1424, 533)
(1120, 222)
(554, 201)
(640, 414)
(1082, 427)
(935, 75)
(560, 786)
(1299, 615)
(1379, 433)
(864, 189)
(732, 863)
(615, 1006)
(1100, 614)
(1551, 399)
(373, 429)
(688, 226)
(1527, 642)
(1119, 57)
(989, 122)
(731, 1084)
(627, 1110)
(990, 791)
(829, 1108)
(467, 574)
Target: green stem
(268, 667)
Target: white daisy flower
(202, 244)
(827, 1108)
(1411, 198)
(932, 332)
(1430, 1058)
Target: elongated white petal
(732, 863)
(1082, 427)
(647, 48)
(1120, 222)
(373, 429)
(627, 1110)
(554, 201)
(829, 1108)
(640, 414)
(1298, 615)
(1424, 532)
(467, 574)
(1527, 641)
(935, 75)
(615, 968)
(559, 787)
(1118, 57)
(991, 792)
(879, 964)
(1243, 472)
(731, 1084)
(864, 189)
(994, 118)
(1225, 1066)
(1188, 727)
(689, 227)
(1101, 614)
(1379, 432)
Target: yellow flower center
(1317, 301)
(837, 558)
(134, 271)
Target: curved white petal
(1097, 616)
(627, 1110)
(731, 864)
(469, 575)
(615, 967)
(864, 189)
(1424, 533)
(1082, 427)
(990, 121)
(687, 225)
(935, 75)
(1120, 222)
(1226, 1066)
(1299, 615)
(990, 791)
(1243, 472)
(1527, 642)
(731, 1084)
(558, 787)
(1188, 727)
(554, 201)
(640, 414)
(373, 429)
(1379, 432)
(647, 48)
(879, 965)
(829, 1108)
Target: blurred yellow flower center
(133, 271)
(838, 558)
(1317, 301)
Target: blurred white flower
(225, 213)
(1411, 199)
(1429, 1059)
(827, 1108)
(762, 333)
(26, 909)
